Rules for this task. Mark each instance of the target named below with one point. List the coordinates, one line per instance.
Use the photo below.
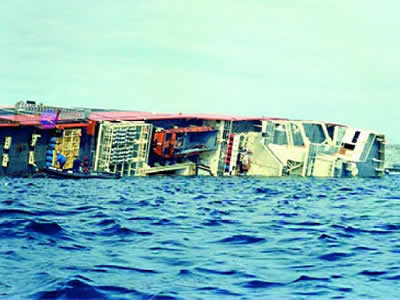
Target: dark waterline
(200, 238)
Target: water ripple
(241, 239)
(199, 238)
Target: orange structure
(187, 141)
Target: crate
(68, 145)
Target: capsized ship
(132, 143)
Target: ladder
(227, 130)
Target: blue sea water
(200, 238)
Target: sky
(331, 60)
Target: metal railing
(29, 107)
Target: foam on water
(200, 238)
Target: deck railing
(64, 113)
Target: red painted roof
(139, 115)
(223, 117)
(32, 120)
(336, 124)
(190, 129)
(28, 120)
(127, 116)
(9, 124)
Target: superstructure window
(331, 130)
(314, 133)
(297, 136)
(280, 135)
(349, 146)
(356, 136)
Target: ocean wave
(123, 231)
(73, 289)
(241, 239)
(254, 284)
(49, 228)
(333, 256)
(110, 267)
(199, 238)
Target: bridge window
(280, 135)
(314, 133)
